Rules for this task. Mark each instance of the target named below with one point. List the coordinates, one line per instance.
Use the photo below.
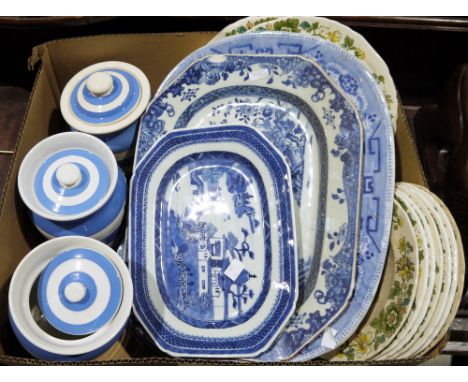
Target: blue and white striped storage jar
(69, 299)
(107, 100)
(73, 186)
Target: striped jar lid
(69, 299)
(67, 176)
(80, 291)
(105, 97)
(71, 181)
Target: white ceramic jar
(107, 100)
(73, 186)
(70, 299)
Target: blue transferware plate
(297, 107)
(212, 242)
(378, 167)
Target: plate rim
(375, 65)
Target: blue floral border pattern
(337, 271)
(379, 161)
(168, 338)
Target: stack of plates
(262, 202)
(422, 283)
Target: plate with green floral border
(450, 284)
(395, 298)
(440, 243)
(426, 279)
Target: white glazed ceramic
(436, 249)
(28, 322)
(52, 145)
(378, 168)
(427, 273)
(330, 30)
(452, 283)
(460, 281)
(97, 79)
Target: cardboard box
(156, 55)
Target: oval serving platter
(379, 157)
(212, 242)
(298, 109)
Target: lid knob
(100, 84)
(68, 175)
(75, 292)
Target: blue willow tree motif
(237, 288)
(237, 185)
(230, 244)
(208, 176)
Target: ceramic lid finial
(68, 175)
(75, 292)
(100, 84)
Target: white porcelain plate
(428, 284)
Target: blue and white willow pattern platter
(296, 106)
(378, 167)
(212, 242)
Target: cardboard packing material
(156, 55)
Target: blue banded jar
(72, 185)
(106, 100)
(70, 299)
